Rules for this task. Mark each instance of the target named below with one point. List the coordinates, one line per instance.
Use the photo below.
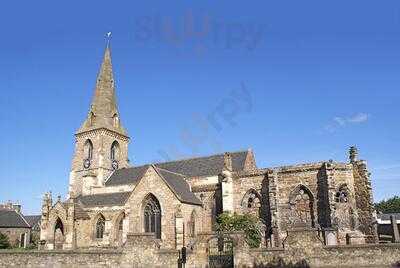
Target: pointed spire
(104, 111)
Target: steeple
(103, 112)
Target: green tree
(4, 242)
(247, 223)
(391, 205)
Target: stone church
(174, 202)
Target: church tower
(101, 144)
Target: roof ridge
(168, 171)
(23, 217)
(199, 157)
(179, 197)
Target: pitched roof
(205, 166)
(194, 167)
(386, 217)
(12, 219)
(179, 186)
(104, 104)
(33, 220)
(104, 200)
(126, 176)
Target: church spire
(104, 111)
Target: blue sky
(296, 81)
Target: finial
(108, 36)
(353, 154)
(228, 162)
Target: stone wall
(60, 259)
(142, 250)
(306, 246)
(14, 235)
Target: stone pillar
(69, 229)
(273, 203)
(331, 190)
(179, 229)
(226, 179)
(396, 235)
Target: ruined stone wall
(288, 181)
(364, 200)
(305, 246)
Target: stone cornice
(205, 188)
(98, 131)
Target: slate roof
(179, 186)
(104, 200)
(126, 176)
(205, 166)
(386, 217)
(12, 219)
(194, 167)
(33, 220)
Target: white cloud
(358, 118)
(339, 122)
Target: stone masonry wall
(14, 234)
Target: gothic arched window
(251, 202)
(302, 205)
(116, 120)
(114, 151)
(88, 149)
(192, 224)
(100, 227)
(342, 195)
(152, 216)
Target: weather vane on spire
(108, 35)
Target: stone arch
(99, 227)
(114, 151)
(251, 203)
(59, 234)
(115, 119)
(119, 228)
(88, 150)
(302, 205)
(152, 215)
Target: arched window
(251, 202)
(302, 205)
(88, 150)
(114, 151)
(91, 118)
(152, 216)
(342, 195)
(100, 227)
(116, 120)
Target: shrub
(4, 242)
(247, 223)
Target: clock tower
(101, 144)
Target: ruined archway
(302, 207)
(59, 234)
